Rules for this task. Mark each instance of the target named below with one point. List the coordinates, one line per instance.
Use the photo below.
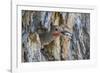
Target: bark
(55, 36)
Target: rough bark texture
(55, 36)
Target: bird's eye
(56, 29)
(67, 34)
